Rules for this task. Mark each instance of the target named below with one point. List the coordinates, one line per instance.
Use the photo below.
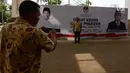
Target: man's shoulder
(112, 22)
(6, 25)
(122, 23)
(9, 25)
(76, 22)
(19, 27)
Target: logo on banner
(85, 9)
(85, 12)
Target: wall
(127, 5)
(129, 27)
(15, 6)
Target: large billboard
(96, 21)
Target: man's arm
(2, 50)
(123, 26)
(80, 27)
(73, 26)
(44, 42)
(109, 27)
(46, 30)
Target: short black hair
(117, 12)
(27, 7)
(47, 9)
(85, 8)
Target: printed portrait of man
(46, 13)
(117, 25)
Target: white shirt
(118, 23)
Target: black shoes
(77, 42)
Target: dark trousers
(77, 35)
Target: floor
(97, 56)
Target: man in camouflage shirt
(22, 42)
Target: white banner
(96, 21)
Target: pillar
(15, 6)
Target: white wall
(127, 5)
(15, 6)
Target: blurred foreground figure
(22, 43)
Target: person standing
(77, 28)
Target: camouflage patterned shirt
(21, 46)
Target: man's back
(21, 47)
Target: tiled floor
(88, 57)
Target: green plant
(5, 12)
(52, 2)
(87, 3)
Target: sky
(101, 3)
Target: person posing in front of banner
(117, 25)
(77, 28)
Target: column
(15, 6)
(127, 5)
